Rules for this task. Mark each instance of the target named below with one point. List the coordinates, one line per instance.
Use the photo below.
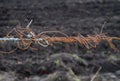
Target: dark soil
(61, 62)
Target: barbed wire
(25, 37)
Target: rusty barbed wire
(25, 37)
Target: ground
(61, 62)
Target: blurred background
(70, 17)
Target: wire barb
(29, 24)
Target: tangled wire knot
(26, 37)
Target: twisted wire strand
(44, 40)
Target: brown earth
(61, 62)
